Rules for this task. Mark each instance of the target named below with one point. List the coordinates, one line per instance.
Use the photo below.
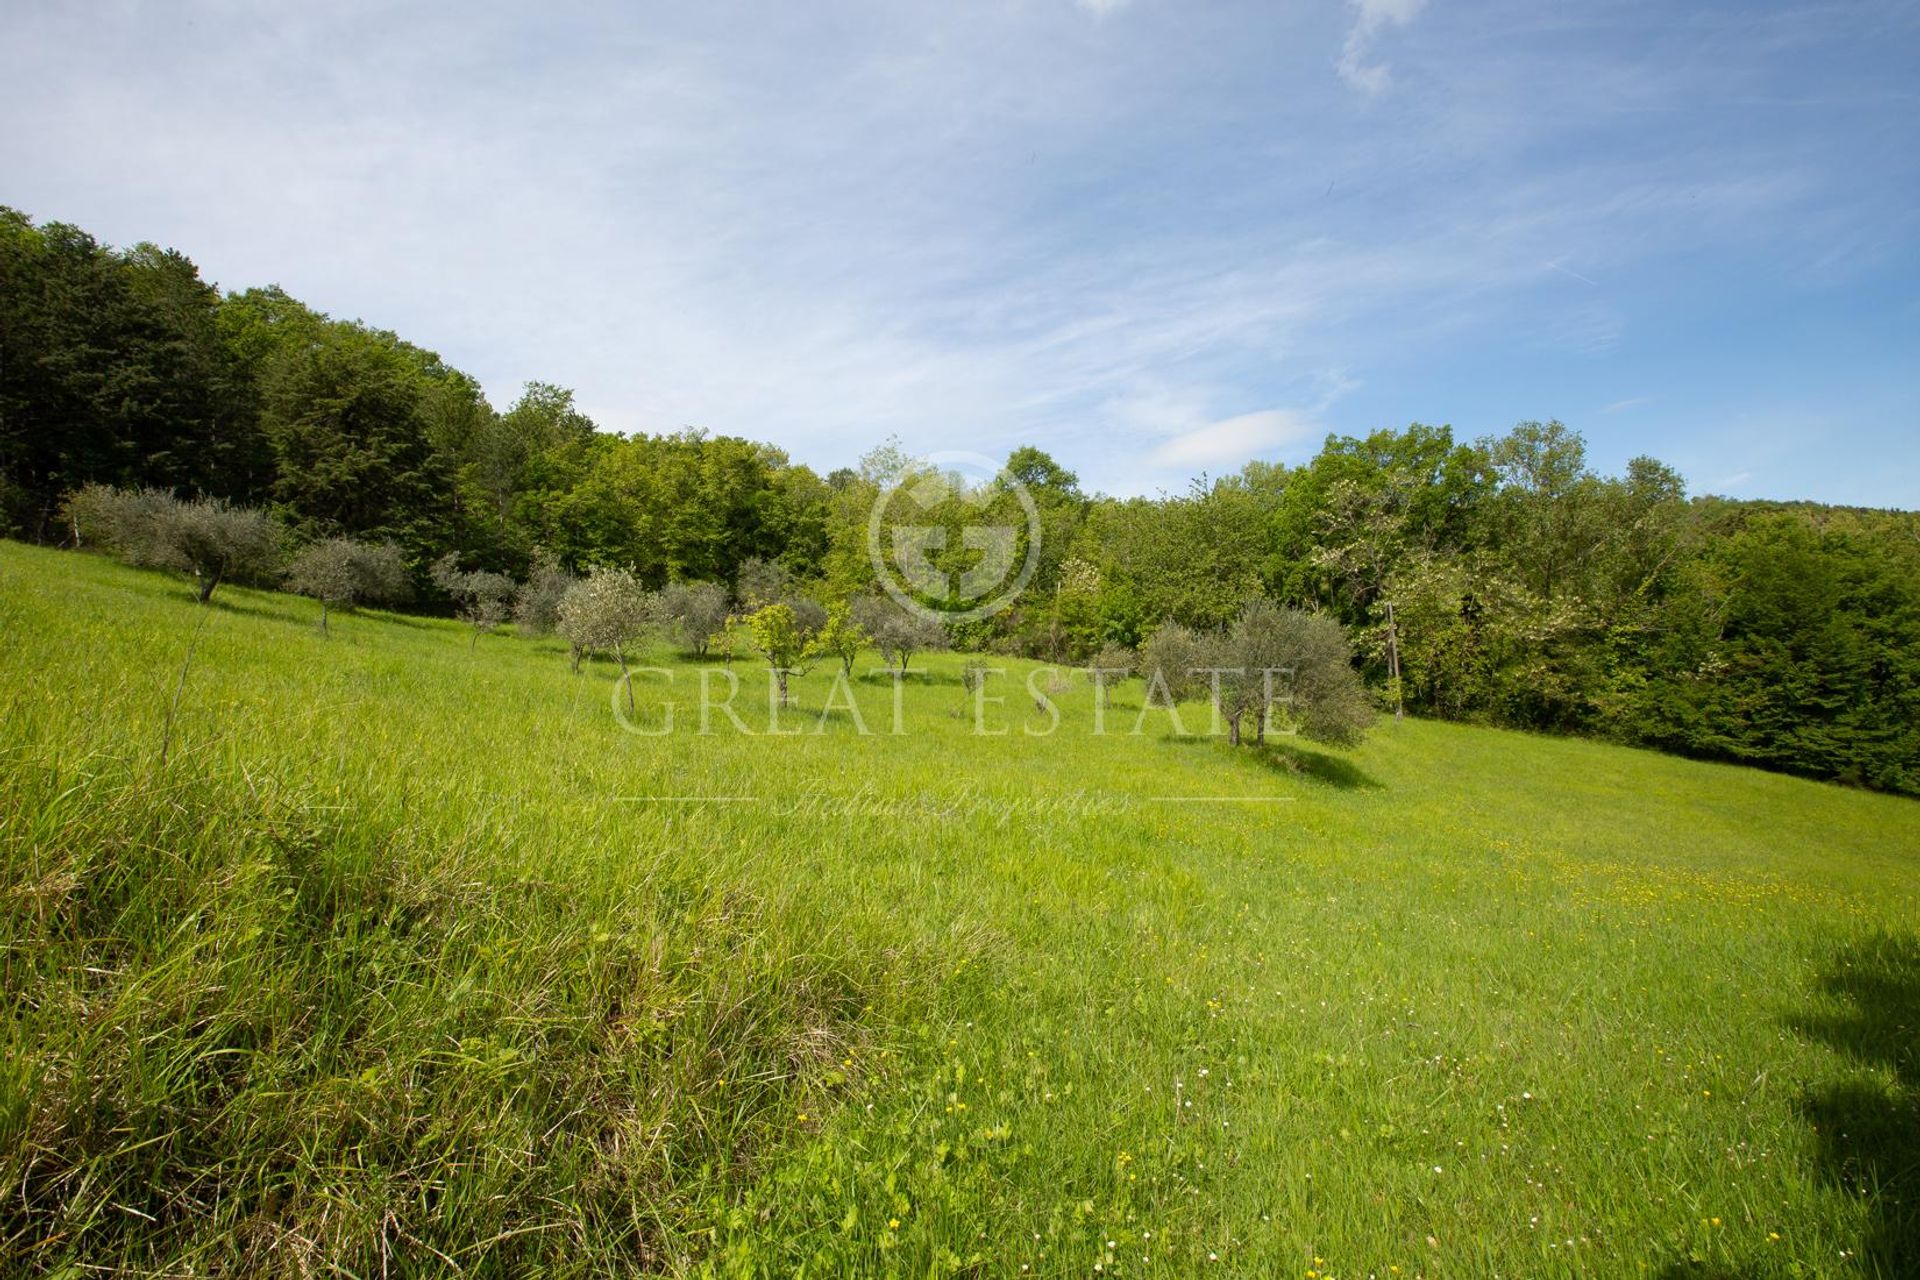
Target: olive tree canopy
(481, 596)
(607, 611)
(207, 539)
(896, 632)
(341, 574)
(696, 611)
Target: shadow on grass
(1292, 757)
(1867, 1132)
(279, 614)
(388, 618)
(910, 676)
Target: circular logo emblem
(945, 541)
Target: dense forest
(1520, 587)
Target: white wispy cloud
(1232, 441)
(1370, 18)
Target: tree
(1113, 662)
(343, 574)
(841, 636)
(536, 607)
(1035, 470)
(1076, 623)
(808, 614)
(1302, 662)
(1548, 510)
(777, 635)
(1268, 656)
(1171, 660)
(1340, 523)
(696, 611)
(207, 539)
(761, 583)
(896, 632)
(347, 418)
(607, 610)
(480, 596)
(114, 372)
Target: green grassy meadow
(380, 953)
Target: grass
(409, 959)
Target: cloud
(1232, 441)
(1631, 402)
(1370, 18)
(1101, 8)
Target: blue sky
(1155, 237)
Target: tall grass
(407, 959)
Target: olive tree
(536, 607)
(480, 596)
(898, 633)
(1323, 696)
(695, 611)
(343, 574)
(761, 583)
(1171, 661)
(1274, 657)
(1113, 662)
(808, 614)
(207, 539)
(607, 610)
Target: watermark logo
(947, 542)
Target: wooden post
(1393, 665)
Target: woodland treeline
(1524, 588)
